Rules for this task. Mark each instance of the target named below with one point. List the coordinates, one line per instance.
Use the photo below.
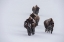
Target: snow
(13, 13)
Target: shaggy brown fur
(26, 24)
(29, 24)
(49, 23)
(35, 17)
(30, 20)
(35, 9)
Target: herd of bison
(33, 20)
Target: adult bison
(29, 24)
(49, 24)
(35, 9)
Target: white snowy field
(13, 13)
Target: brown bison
(49, 24)
(35, 17)
(29, 24)
(35, 9)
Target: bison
(49, 24)
(35, 9)
(29, 24)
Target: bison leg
(29, 31)
(33, 31)
(51, 30)
(45, 28)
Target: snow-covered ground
(13, 13)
